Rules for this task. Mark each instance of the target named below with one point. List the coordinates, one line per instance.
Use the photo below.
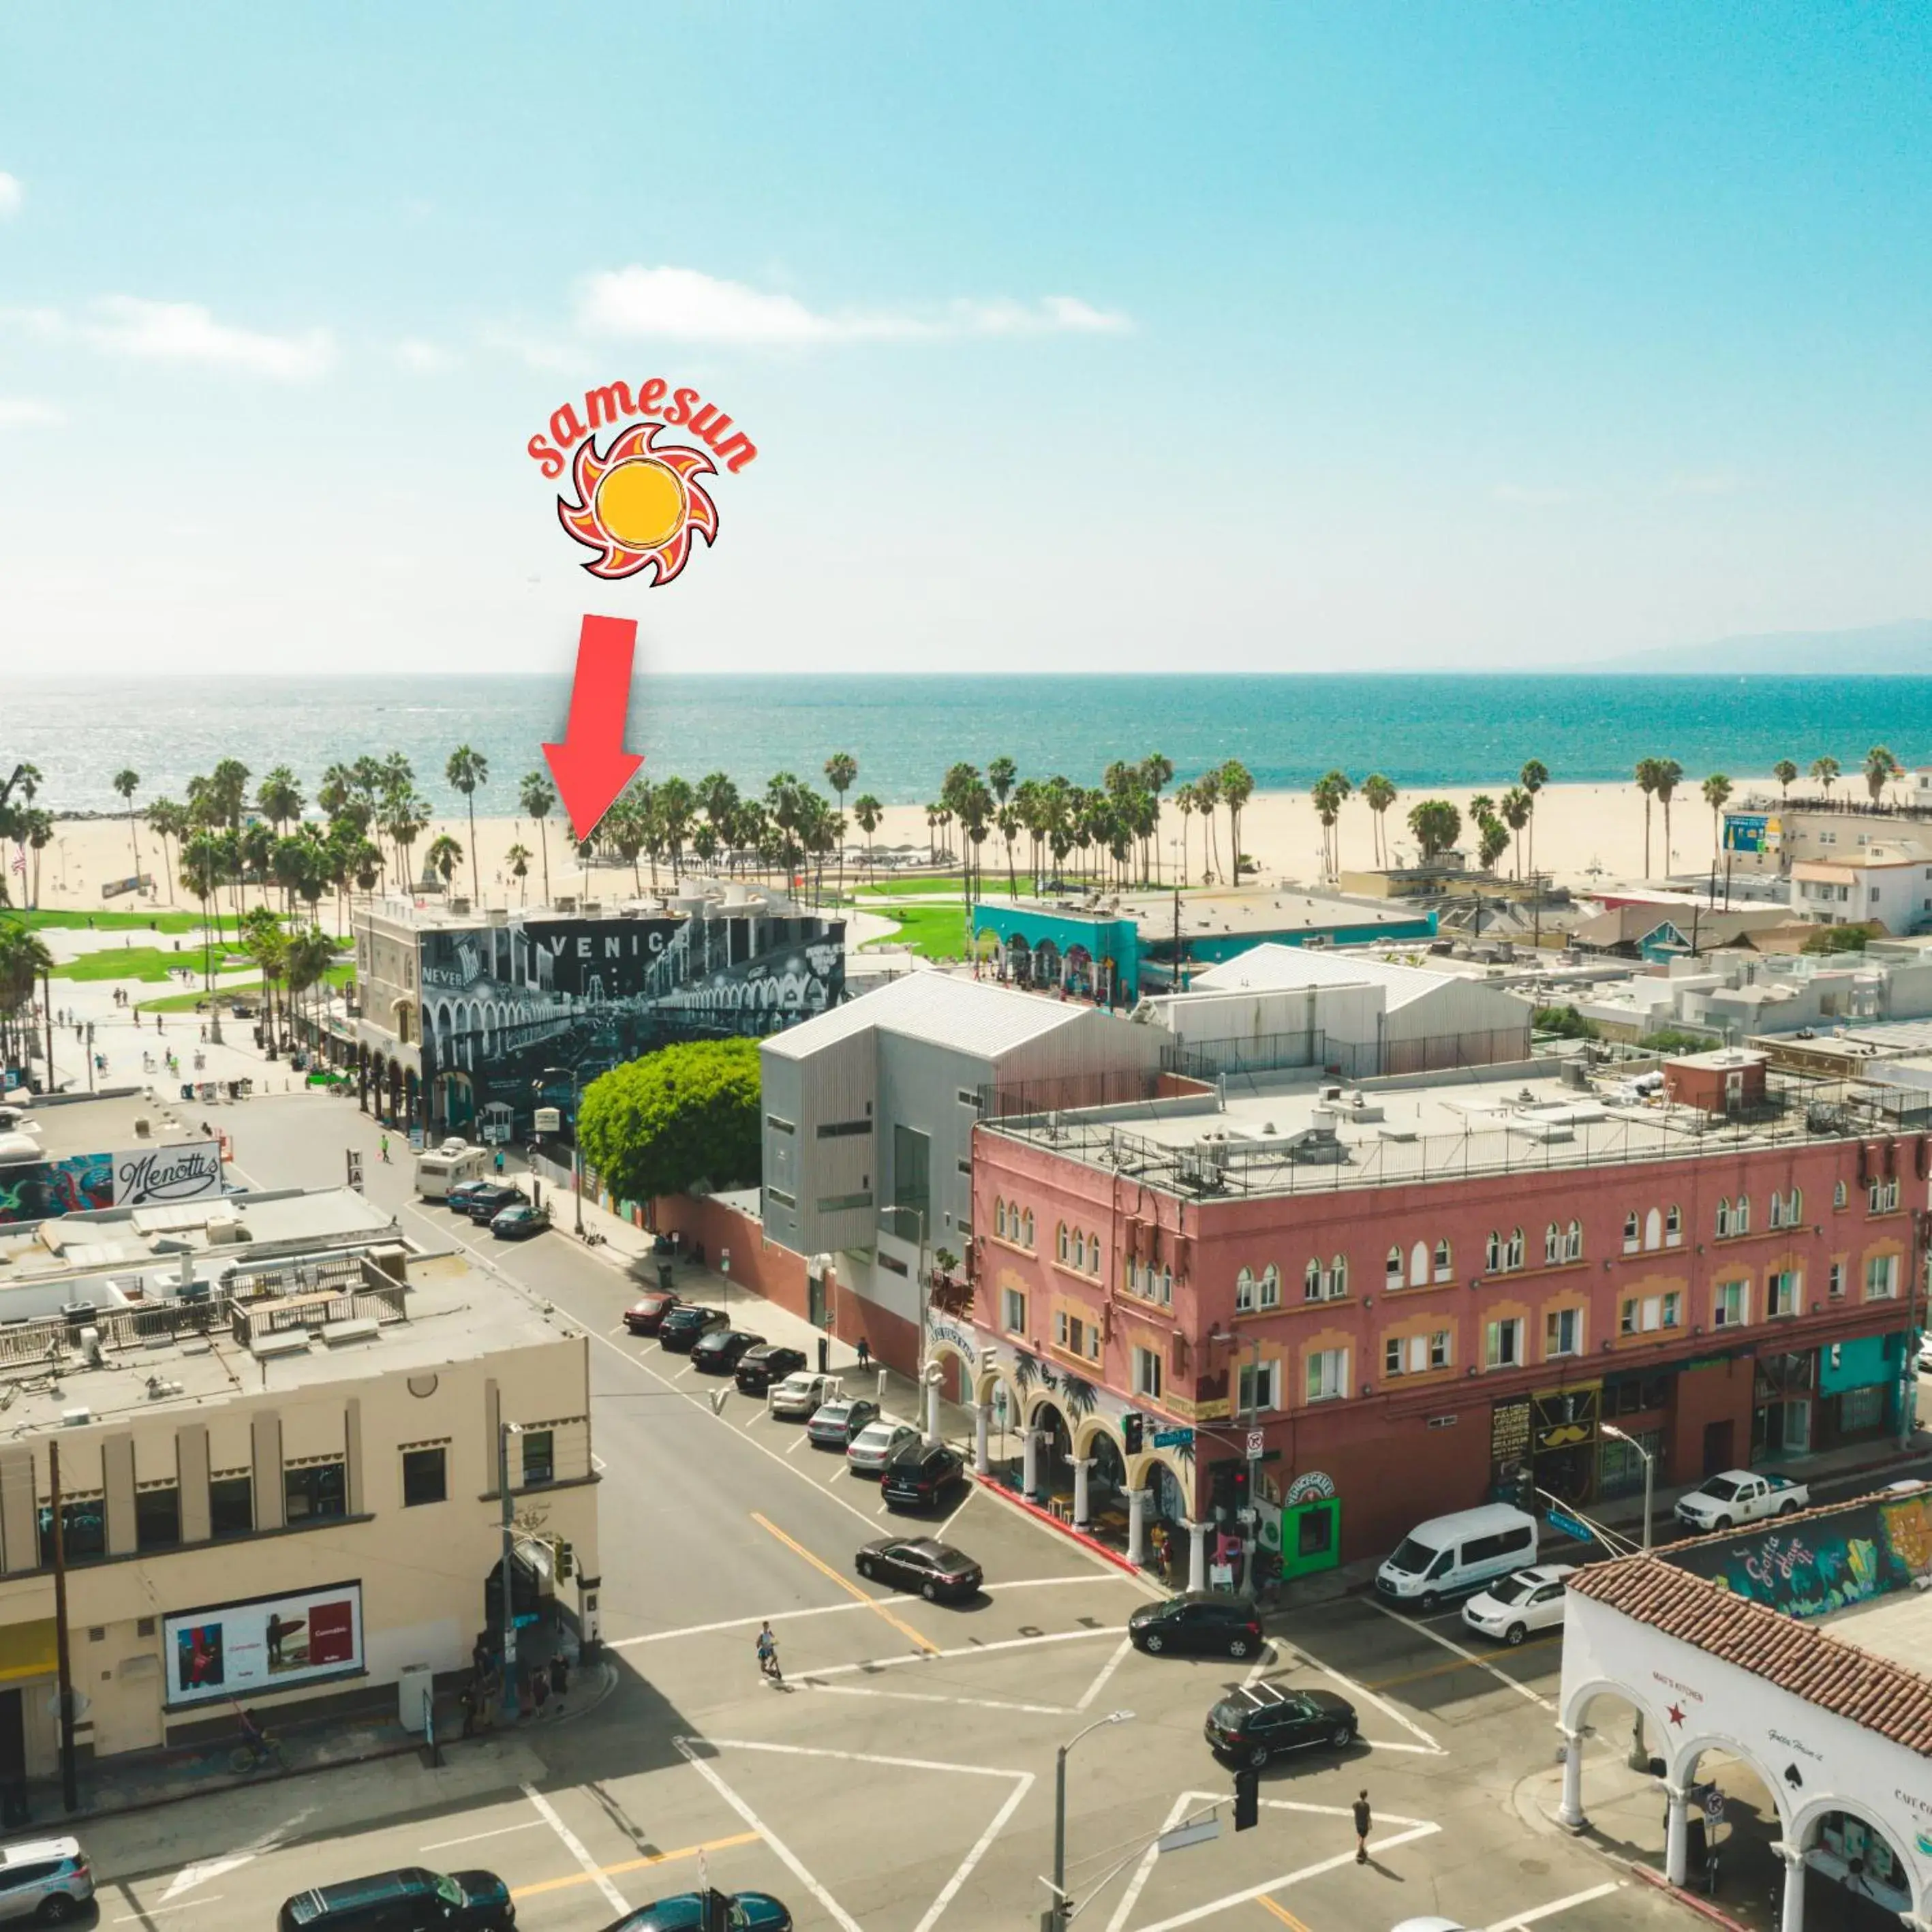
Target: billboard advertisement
(1745, 831)
(515, 1016)
(137, 1177)
(266, 1643)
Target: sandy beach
(1584, 834)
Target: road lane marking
(1253, 1892)
(798, 1443)
(963, 1650)
(1520, 1918)
(972, 1490)
(1468, 1656)
(789, 1857)
(1295, 1653)
(981, 1846)
(1282, 1912)
(648, 1859)
(477, 1837)
(1456, 1663)
(1107, 1670)
(1144, 1869)
(932, 1697)
(855, 1757)
(844, 1583)
(575, 1846)
(186, 1904)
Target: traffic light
(1526, 1486)
(1131, 1428)
(1247, 1799)
(566, 1562)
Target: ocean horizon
(1422, 729)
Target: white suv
(47, 1880)
(1514, 1605)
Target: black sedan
(834, 1424)
(519, 1222)
(1264, 1720)
(1199, 1621)
(937, 1571)
(768, 1363)
(487, 1199)
(680, 1329)
(919, 1474)
(719, 1351)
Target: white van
(1451, 1554)
(449, 1166)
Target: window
(1146, 1373)
(1573, 1242)
(157, 1517)
(1244, 1293)
(231, 1506)
(1861, 1408)
(1327, 1374)
(1740, 1216)
(779, 1127)
(1418, 1264)
(1075, 1336)
(1392, 1273)
(1724, 1216)
(1503, 1343)
(1781, 1292)
(1062, 1245)
(1673, 1226)
(83, 1528)
(1155, 1284)
(1835, 1281)
(967, 1096)
(1093, 1253)
(1000, 1219)
(1080, 1250)
(1630, 1232)
(425, 1475)
(1442, 1349)
(1563, 1332)
(1338, 1277)
(1026, 1229)
(1883, 1195)
(1645, 1315)
(1838, 1195)
(1732, 1308)
(912, 1170)
(1492, 1253)
(839, 1203)
(1012, 1311)
(1881, 1277)
(539, 1457)
(1512, 1254)
(1444, 1261)
(1313, 1284)
(1414, 1354)
(778, 1194)
(1552, 1245)
(1653, 1229)
(835, 1130)
(313, 1490)
(1787, 1210)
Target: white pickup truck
(1737, 1496)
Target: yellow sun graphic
(637, 505)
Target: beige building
(278, 1430)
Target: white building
(1887, 880)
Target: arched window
(1673, 1225)
(1777, 1209)
(1838, 1195)
(1794, 1208)
(1393, 1271)
(1079, 1250)
(1338, 1276)
(1093, 1253)
(999, 1218)
(1244, 1293)
(1552, 1245)
(1311, 1280)
(1418, 1264)
(1026, 1228)
(1444, 1261)
(1723, 1215)
(1740, 1216)
(1270, 1286)
(1653, 1229)
(1166, 1287)
(1514, 1259)
(1629, 1232)
(1573, 1242)
(1492, 1253)
(1063, 1247)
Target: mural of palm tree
(537, 797)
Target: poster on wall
(262, 1644)
(84, 1183)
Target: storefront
(1782, 1404)
(1858, 1384)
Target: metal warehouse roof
(968, 1015)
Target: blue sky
(1266, 336)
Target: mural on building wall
(1825, 1563)
(504, 1006)
(84, 1183)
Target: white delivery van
(1449, 1555)
(449, 1166)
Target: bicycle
(257, 1748)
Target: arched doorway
(1053, 1458)
(1046, 964)
(1019, 961)
(1852, 1872)
(1079, 970)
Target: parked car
(1200, 1621)
(1264, 1720)
(679, 1330)
(937, 1571)
(798, 1397)
(769, 1363)
(48, 1879)
(719, 1351)
(1925, 1353)
(519, 1222)
(1449, 1555)
(488, 1199)
(918, 1475)
(411, 1900)
(1532, 1600)
(744, 1911)
(1740, 1496)
(834, 1424)
(457, 1199)
(874, 1446)
(644, 1316)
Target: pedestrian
(559, 1679)
(539, 1689)
(1362, 1823)
(768, 1653)
(385, 1147)
(865, 1353)
(499, 1163)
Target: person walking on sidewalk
(559, 1679)
(1362, 1822)
(384, 1148)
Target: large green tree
(684, 1115)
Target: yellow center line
(1455, 1664)
(1282, 1912)
(844, 1583)
(635, 1864)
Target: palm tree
(537, 797)
(1436, 824)
(1328, 809)
(519, 856)
(1338, 787)
(841, 769)
(39, 836)
(126, 782)
(466, 770)
(1238, 787)
(278, 799)
(408, 816)
(1786, 773)
(1669, 773)
(867, 810)
(1207, 796)
(1825, 771)
(1648, 771)
(1717, 791)
(1534, 776)
(167, 821)
(1379, 794)
(309, 957)
(1881, 768)
(444, 856)
(1493, 838)
(264, 941)
(1515, 810)
(24, 960)
(1001, 773)
(1186, 802)
(675, 803)
(201, 872)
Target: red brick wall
(1722, 1392)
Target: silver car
(872, 1447)
(47, 1879)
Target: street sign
(1182, 1836)
(1256, 1444)
(354, 1167)
(1713, 1807)
(1565, 1524)
(1173, 1438)
(549, 1120)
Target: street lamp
(576, 1150)
(1058, 1914)
(1639, 1751)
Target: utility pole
(64, 1661)
(1251, 1539)
(47, 1016)
(505, 1430)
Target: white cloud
(158, 332)
(19, 411)
(45, 324)
(12, 194)
(1532, 495)
(425, 358)
(684, 305)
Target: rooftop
(1267, 968)
(616, 899)
(1249, 909)
(101, 1123)
(972, 1016)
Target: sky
(1070, 337)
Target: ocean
(1420, 730)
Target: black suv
(488, 1199)
(719, 1351)
(919, 1474)
(412, 1900)
(769, 1362)
(1199, 1620)
(1262, 1720)
(682, 1326)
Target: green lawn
(895, 886)
(107, 921)
(934, 932)
(152, 963)
(342, 974)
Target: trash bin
(664, 1275)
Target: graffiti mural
(1826, 1562)
(85, 1184)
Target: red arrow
(591, 767)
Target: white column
(1570, 1814)
(1677, 1834)
(1030, 1463)
(1082, 1465)
(983, 1461)
(1791, 1915)
(1197, 1555)
(932, 1411)
(1137, 1502)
